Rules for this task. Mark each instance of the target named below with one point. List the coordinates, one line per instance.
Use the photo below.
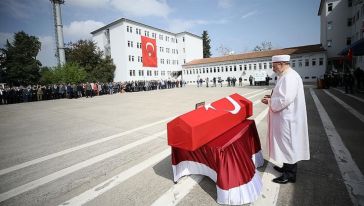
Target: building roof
(258, 54)
(140, 24)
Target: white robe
(287, 120)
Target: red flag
(149, 50)
(195, 128)
(350, 54)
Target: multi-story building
(122, 40)
(309, 61)
(342, 28)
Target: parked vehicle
(259, 77)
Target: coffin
(198, 127)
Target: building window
(241, 67)
(255, 66)
(293, 63)
(226, 68)
(350, 21)
(183, 39)
(329, 7)
(307, 62)
(329, 25)
(350, 3)
(348, 41)
(130, 58)
(270, 65)
(329, 43)
(234, 68)
(250, 67)
(260, 65)
(313, 62)
(245, 67)
(300, 63)
(128, 43)
(265, 65)
(321, 61)
(131, 44)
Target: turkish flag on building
(149, 50)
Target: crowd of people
(30, 93)
(231, 81)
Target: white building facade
(309, 61)
(341, 28)
(121, 40)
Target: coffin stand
(230, 160)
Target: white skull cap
(281, 58)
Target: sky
(238, 25)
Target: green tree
(86, 55)
(68, 73)
(206, 44)
(18, 62)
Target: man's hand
(266, 99)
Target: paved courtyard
(112, 150)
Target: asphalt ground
(112, 150)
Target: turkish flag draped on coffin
(196, 128)
(149, 50)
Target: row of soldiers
(18, 94)
(347, 79)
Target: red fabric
(350, 55)
(229, 155)
(149, 52)
(196, 128)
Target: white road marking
(258, 94)
(270, 190)
(184, 186)
(350, 95)
(57, 154)
(61, 173)
(353, 178)
(346, 106)
(116, 180)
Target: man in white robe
(287, 121)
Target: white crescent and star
(146, 47)
(231, 100)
